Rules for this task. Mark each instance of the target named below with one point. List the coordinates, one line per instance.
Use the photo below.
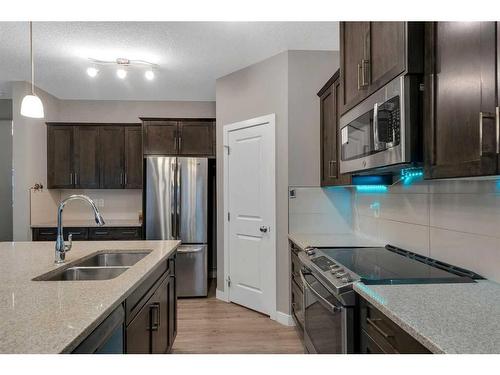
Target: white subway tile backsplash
(478, 253)
(471, 213)
(318, 224)
(405, 235)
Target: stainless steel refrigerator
(176, 201)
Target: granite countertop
(304, 240)
(55, 316)
(89, 223)
(445, 318)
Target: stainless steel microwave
(383, 131)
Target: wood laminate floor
(211, 326)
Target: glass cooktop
(391, 265)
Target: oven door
(372, 132)
(325, 319)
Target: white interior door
(250, 179)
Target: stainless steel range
(328, 275)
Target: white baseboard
(220, 294)
(284, 319)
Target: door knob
(263, 229)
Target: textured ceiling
(191, 55)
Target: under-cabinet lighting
(371, 188)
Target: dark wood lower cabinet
(89, 234)
(379, 334)
(145, 323)
(153, 329)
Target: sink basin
(121, 259)
(84, 273)
(99, 266)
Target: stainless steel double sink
(99, 266)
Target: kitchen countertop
(55, 316)
(303, 240)
(445, 318)
(89, 223)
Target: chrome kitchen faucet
(61, 247)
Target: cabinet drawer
(298, 304)
(107, 234)
(143, 292)
(368, 345)
(50, 234)
(387, 335)
(295, 269)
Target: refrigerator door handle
(178, 199)
(173, 224)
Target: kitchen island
(57, 316)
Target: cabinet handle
(125, 182)
(76, 178)
(359, 77)
(155, 316)
(101, 233)
(180, 143)
(129, 232)
(46, 233)
(71, 178)
(365, 77)
(377, 328)
(483, 115)
(497, 128)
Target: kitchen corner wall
(455, 221)
(29, 143)
(285, 84)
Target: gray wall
(5, 170)
(308, 71)
(129, 111)
(30, 136)
(29, 155)
(289, 79)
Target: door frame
(227, 129)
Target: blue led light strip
(371, 188)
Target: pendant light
(32, 106)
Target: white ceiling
(191, 55)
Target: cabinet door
(160, 137)
(87, 157)
(460, 101)
(387, 53)
(159, 318)
(328, 138)
(172, 308)
(133, 157)
(345, 178)
(354, 53)
(196, 138)
(112, 140)
(60, 158)
(139, 333)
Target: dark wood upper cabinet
(94, 156)
(189, 137)
(196, 138)
(354, 39)
(133, 157)
(374, 53)
(86, 153)
(329, 117)
(60, 172)
(460, 99)
(160, 137)
(112, 142)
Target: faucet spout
(61, 247)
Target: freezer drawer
(191, 271)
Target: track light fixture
(123, 66)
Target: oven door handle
(321, 299)
(375, 127)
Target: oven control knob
(310, 252)
(335, 270)
(340, 274)
(346, 279)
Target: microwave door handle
(321, 299)
(375, 127)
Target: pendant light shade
(32, 106)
